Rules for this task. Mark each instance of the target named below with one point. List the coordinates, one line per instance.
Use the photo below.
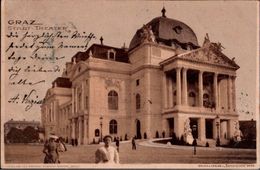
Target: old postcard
(129, 84)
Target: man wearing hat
(107, 153)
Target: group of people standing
(104, 154)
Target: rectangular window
(137, 82)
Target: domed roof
(167, 31)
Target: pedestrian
(133, 144)
(50, 150)
(72, 142)
(61, 147)
(107, 153)
(117, 144)
(194, 143)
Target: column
(170, 92)
(179, 126)
(82, 96)
(184, 85)
(164, 89)
(215, 129)
(234, 92)
(178, 84)
(76, 99)
(201, 88)
(73, 129)
(202, 132)
(80, 130)
(215, 89)
(230, 103)
(165, 127)
(85, 130)
(73, 98)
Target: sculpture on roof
(147, 34)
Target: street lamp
(194, 143)
(101, 123)
(217, 124)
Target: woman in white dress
(107, 153)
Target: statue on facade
(187, 132)
(237, 133)
(147, 34)
(206, 39)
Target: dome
(168, 32)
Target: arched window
(96, 132)
(113, 127)
(138, 101)
(206, 102)
(113, 100)
(192, 99)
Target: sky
(234, 24)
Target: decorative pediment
(211, 55)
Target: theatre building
(163, 83)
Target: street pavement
(146, 153)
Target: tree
(30, 134)
(15, 135)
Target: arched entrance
(138, 129)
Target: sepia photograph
(129, 84)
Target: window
(177, 29)
(96, 132)
(206, 102)
(79, 101)
(192, 99)
(113, 100)
(138, 101)
(111, 54)
(137, 82)
(86, 102)
(174, 98)
(113, 127)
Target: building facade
(164, 83)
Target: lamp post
(217, 124)
(101, 123)
(194, 143)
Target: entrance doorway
(138, 129)
(209, 128)
(194, 127)
(171, 126)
